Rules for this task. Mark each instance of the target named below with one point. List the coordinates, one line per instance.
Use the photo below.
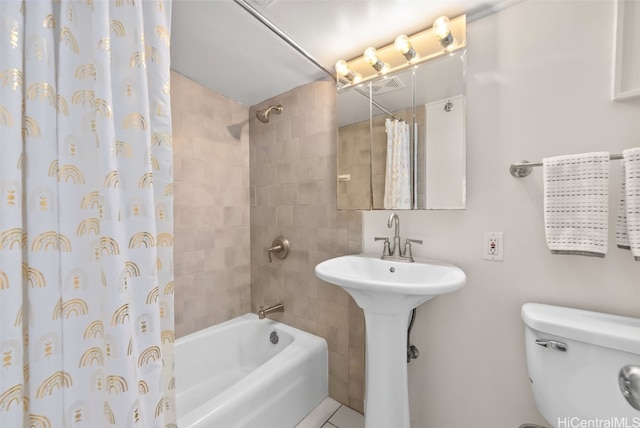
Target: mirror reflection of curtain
(397, 191)
(86, 220)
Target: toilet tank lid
(610, 331)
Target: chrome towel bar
(523, 168)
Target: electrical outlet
(493, 246)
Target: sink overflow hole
(392, 270)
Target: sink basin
(391, 286)
(387, 290)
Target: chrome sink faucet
(395, 252)
(395, 249)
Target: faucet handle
(407, 247)
(386, 251)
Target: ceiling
(220, 45)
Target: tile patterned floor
(331, 414)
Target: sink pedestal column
(387, 395)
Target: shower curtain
(397, 183)
(86, 231)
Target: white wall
(539, 79)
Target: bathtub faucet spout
(275, 308)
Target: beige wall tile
(211, 170)
(293, 179)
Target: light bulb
(441, 27)
(402, 44)
(371, 56)
(357, 78)
(342, 68)
(442, 32)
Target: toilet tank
(579, 386)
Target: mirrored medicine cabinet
(428, 102)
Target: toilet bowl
(574, 359)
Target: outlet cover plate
(493, 246)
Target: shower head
(263, 115)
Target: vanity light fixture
(343, 70)
(404, 46)
(442, 31)
(443, 38)
(371, 56)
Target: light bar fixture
(444, 37)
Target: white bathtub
(231, 375)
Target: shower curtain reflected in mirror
(397, 183)
(86, 222)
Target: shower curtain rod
(278, 32)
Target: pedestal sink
(387, 291)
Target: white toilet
(574, 358)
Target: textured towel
(576, 203)
(628, 225)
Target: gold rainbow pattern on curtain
(58, 380)
(163, 34)
(142, 239)
(39, 421)
(90, 356)
(64, 310)
(109, 246)
(116, 384)
(168, 190)
(31, 128)
(94, 330)
(160, 408)
(164, 240)
(134, 121)
(123, 150)
(11, 77)
(162, 139)
(146, 180)
(5, 117)
(68, 39)
(120, 315)
(89, 226)
(62, 106)
(33, 276)
(4, 280)
(49, 22)
(10, 396)
(50, 240)
(86, 72)
(42, 91)
(11, 237)
(168, 336)
(149, 355)
(153, 296)
(108, 413)
(117, 28)
(169, 288)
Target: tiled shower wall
(293, 193)
(211, 206)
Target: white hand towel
(576, 203)
(628, 225)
